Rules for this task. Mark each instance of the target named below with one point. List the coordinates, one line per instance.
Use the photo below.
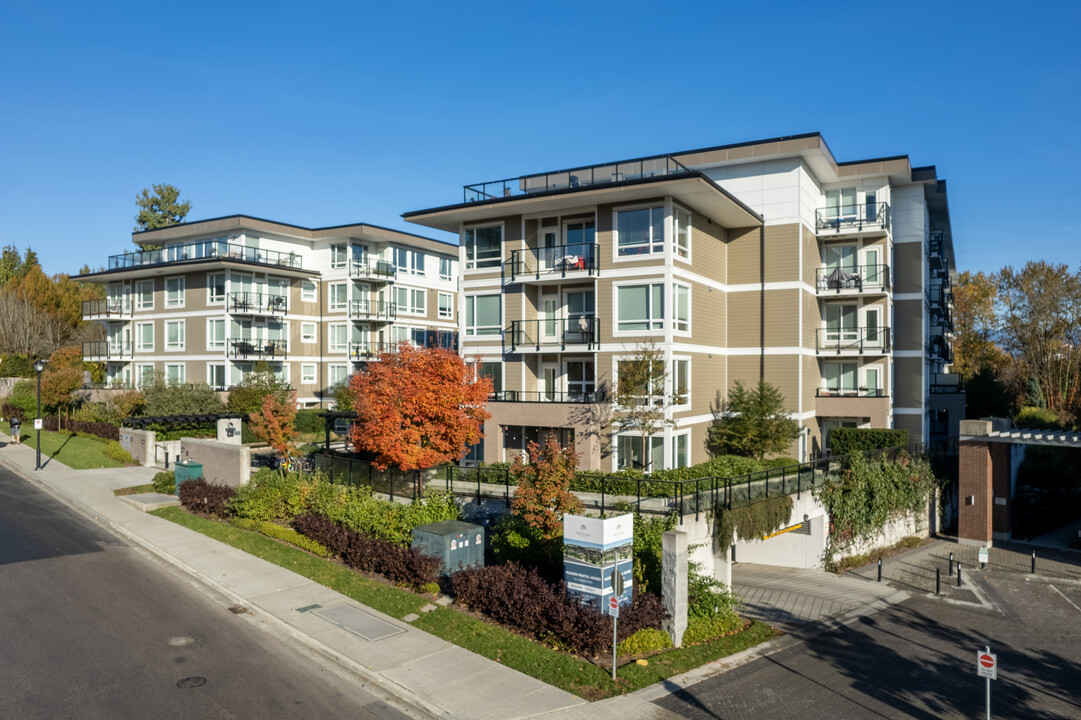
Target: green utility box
(187, 471)
(457, 544)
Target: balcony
(372, 310)
(362, 351)
(946, 384)
(108, 309)
(249, 303)
(936, 250)
(374, 270)
(259, 349)
(869, 403)
(939, 350)
(554, 264)
(575, 178)
(849, 219)
(853, 280)
(106, 351)
(854, 341)
(850, 392)
(575, 334)
(535, 396)
(202, 251)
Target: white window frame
(181, 335)
(180, 291)
(674, 375)
(212, 344)
(331, 368)
(308, 290)
(139, 305)
(676, 437)
(654, 325)
(306, 336)
(183, 373)
(681, 252)
(309, 373)
(139, 346)
(411, 306)
(210, 299)
(471, 264)
(448, 312)
(676, 322)
(332, 304)
(655, 246)
(144, 374)
(449, 274)
(655, 441)
(474, 329)
(210, 375)
(332, 345)
(335, 249)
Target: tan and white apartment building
(205, 301)
(767, 259)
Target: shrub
(1034, 417)
(203, 498)
(711, 608)
(397, 564)
(308, 421)
(247, 397)
(108, 431)
(114, 451)
(647, 550)
(702, 629)
(513, 540)
(751, 522)
(273, 496)
(644, 642)
(197, 399)
(24, 397)
(356, 508)
(293, 537)
(849, 440)
(165, 482)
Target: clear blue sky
(329, 113)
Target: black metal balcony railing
(372, 310)
(250, 303)
(368, 350)
(939, 349)
(572, 396)
(107, 349)
(201, 251)
(581, 177)
(859, 340)
(862, 278)
(558, 260)
(277, 348)
(372, 269)
(851, 392)
(853, 217)
(110, 307)
(540, 333)
(946, 383)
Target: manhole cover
(181, 641)
(191, 682)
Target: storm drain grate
(359, 622)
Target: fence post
(448, 477)
(602, 496)
(697, 494)
(639, 496)
(679, 499)
(390, 480)
(506, 488)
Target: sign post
(613, 607)
(987, 667)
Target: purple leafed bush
(199, 496)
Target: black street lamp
(39, 365)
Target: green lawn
(80, 453)
(562, 670)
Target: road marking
(1078, 609)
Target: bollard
(938, 580)
(1033, 562)
(950, 573)
(880, 569)
(958, 574)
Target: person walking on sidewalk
(15, 424)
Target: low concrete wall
(223, 463)
(892, 533)
(792, 549)
(139, 444)
(166, 453)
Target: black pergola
(180, 420)
(328, 420)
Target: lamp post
(39, 365)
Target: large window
(641, 307)
(339, 296)
(215, 334)
(681, 308)
(482, 247)
(215, 288)
(446, 305)
(580, 382)
(633, 454)
(516, 439)
(444, 269)
(339, 255)
(144, 375)
(174, 292)
(339, 337)
(174, 335)
(641, 231)
(410, 301)
(681, 246)
(634, 379)
(338, 374)
(144, 295)
(840, 378)
(144, 336)
(482, 315)
(174, 373)
(841, 203)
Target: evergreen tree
(752, 422)
(160, 209)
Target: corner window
(339, 296)
(682, 241)
(446, 305)
(174, 292)
(339, 255)
(144, 295)
(681, 308)
(641, 307)
(483, 247)
(482, 315)
(640, 232)
(307, 291)
(215, 288)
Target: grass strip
(134, 490)
(78, 452)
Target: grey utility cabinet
(457, 544)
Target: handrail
(546, 396)
(368, 268)
(853, 216)
(202, 250)
(252, 302)
(244, 348)
(851, 392)
(560, 259)
(862, 339)
(378, 309)
(107, 349)
(566, 331)
(853, 277)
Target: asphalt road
(91, 628)
(917, 660)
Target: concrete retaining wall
(223, 463)
(792, 549)
(139, 444)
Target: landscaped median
(76, 450)
(340, 536)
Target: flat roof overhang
(694, 189)
(175, 267)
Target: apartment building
(205, 301)
(766, 259)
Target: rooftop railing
(202, 250)
(861, 278)
(853, 217)
(541, 333)
(558, 260)
(858, 340)
(581, 177)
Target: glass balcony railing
(259, 349)
(370, 269)
(559, 260)
(250, 303)
(570, 396)
(203, 250)
(547, 333)
(851, 392)
(372, 310)
(857, 340)
(107, 349)
(861, 278)
(853, 217)
(581, 177)
(110, 307)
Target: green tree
(641, 398)
(160, 209)
(162, 398)
(247, 397)
(752, 422)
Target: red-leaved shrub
(199, 496)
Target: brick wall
(974, 485)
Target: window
(645, 383)
(682, 240)
(580, 383)
(417, 262)
(144, 295)
(174, 335)
(482, 315)
(841, 203)
(640, 232)
(398, 334)
(144, 375)
(307, 373)
(215, 375)
(630, 455)
(338, 374)
(339, 255)
(419, 337)
(444, 269)
(446, 305)
(144, 336)
(410, 300)
(641, 307)
(871, 382)
(215, 334)
(681, 308)
(174, 373)
(494, 372)
(307, 290)
(174, 292)
(679, 451)
(339, 337)
(215, 288)
(339, 296)
(307, 332)
(681, 382)
(840, 378)
(841, 322)
(482, 247)
(516, 439)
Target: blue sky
(329, 113)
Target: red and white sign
(987, 665)
(613, 606)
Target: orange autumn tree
(544, 493)
(275, 424)
(418, 407)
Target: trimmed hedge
(202, 498)
(280, 532)
(396, 563)
(308, 421)
(522, 600)
(848, 440)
